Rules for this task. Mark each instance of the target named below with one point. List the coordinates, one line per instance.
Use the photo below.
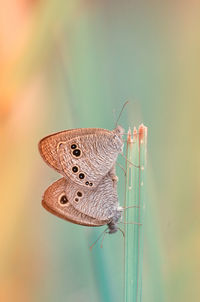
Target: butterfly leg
(112, 174)
(136, 166)
(103, 239)
(125, 208)
(121, 168)
(121, 231)
(102, 234)
(137, 223)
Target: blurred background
(70, 64)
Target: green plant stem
(134, 214)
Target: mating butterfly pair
(87, 194)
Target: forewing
(84, 155)
(48, 146)
(55, 201)
(86, 159)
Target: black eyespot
(63, 199)
(76, 199)
(73, 146)
(91, 184)
(81, 175)
(79, 194)
(87, 183)
(77, 152)
(75, 169)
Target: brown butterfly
(87, 195)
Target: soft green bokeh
(83, 60)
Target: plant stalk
(134, 214)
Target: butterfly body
(87, 194)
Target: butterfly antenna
(114, 114)
(103, 233)
(121, 113)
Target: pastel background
(69, 64)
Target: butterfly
(86, 157)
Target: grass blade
(134, 215)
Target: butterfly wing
(84, 155)
(55, 201)
(48, 145)
(100, 203)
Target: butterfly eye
(75, 169)
(77, 152)
(63, 199)
(81, 175)
(73, 146)
(79, 194)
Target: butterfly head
(119, 130)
